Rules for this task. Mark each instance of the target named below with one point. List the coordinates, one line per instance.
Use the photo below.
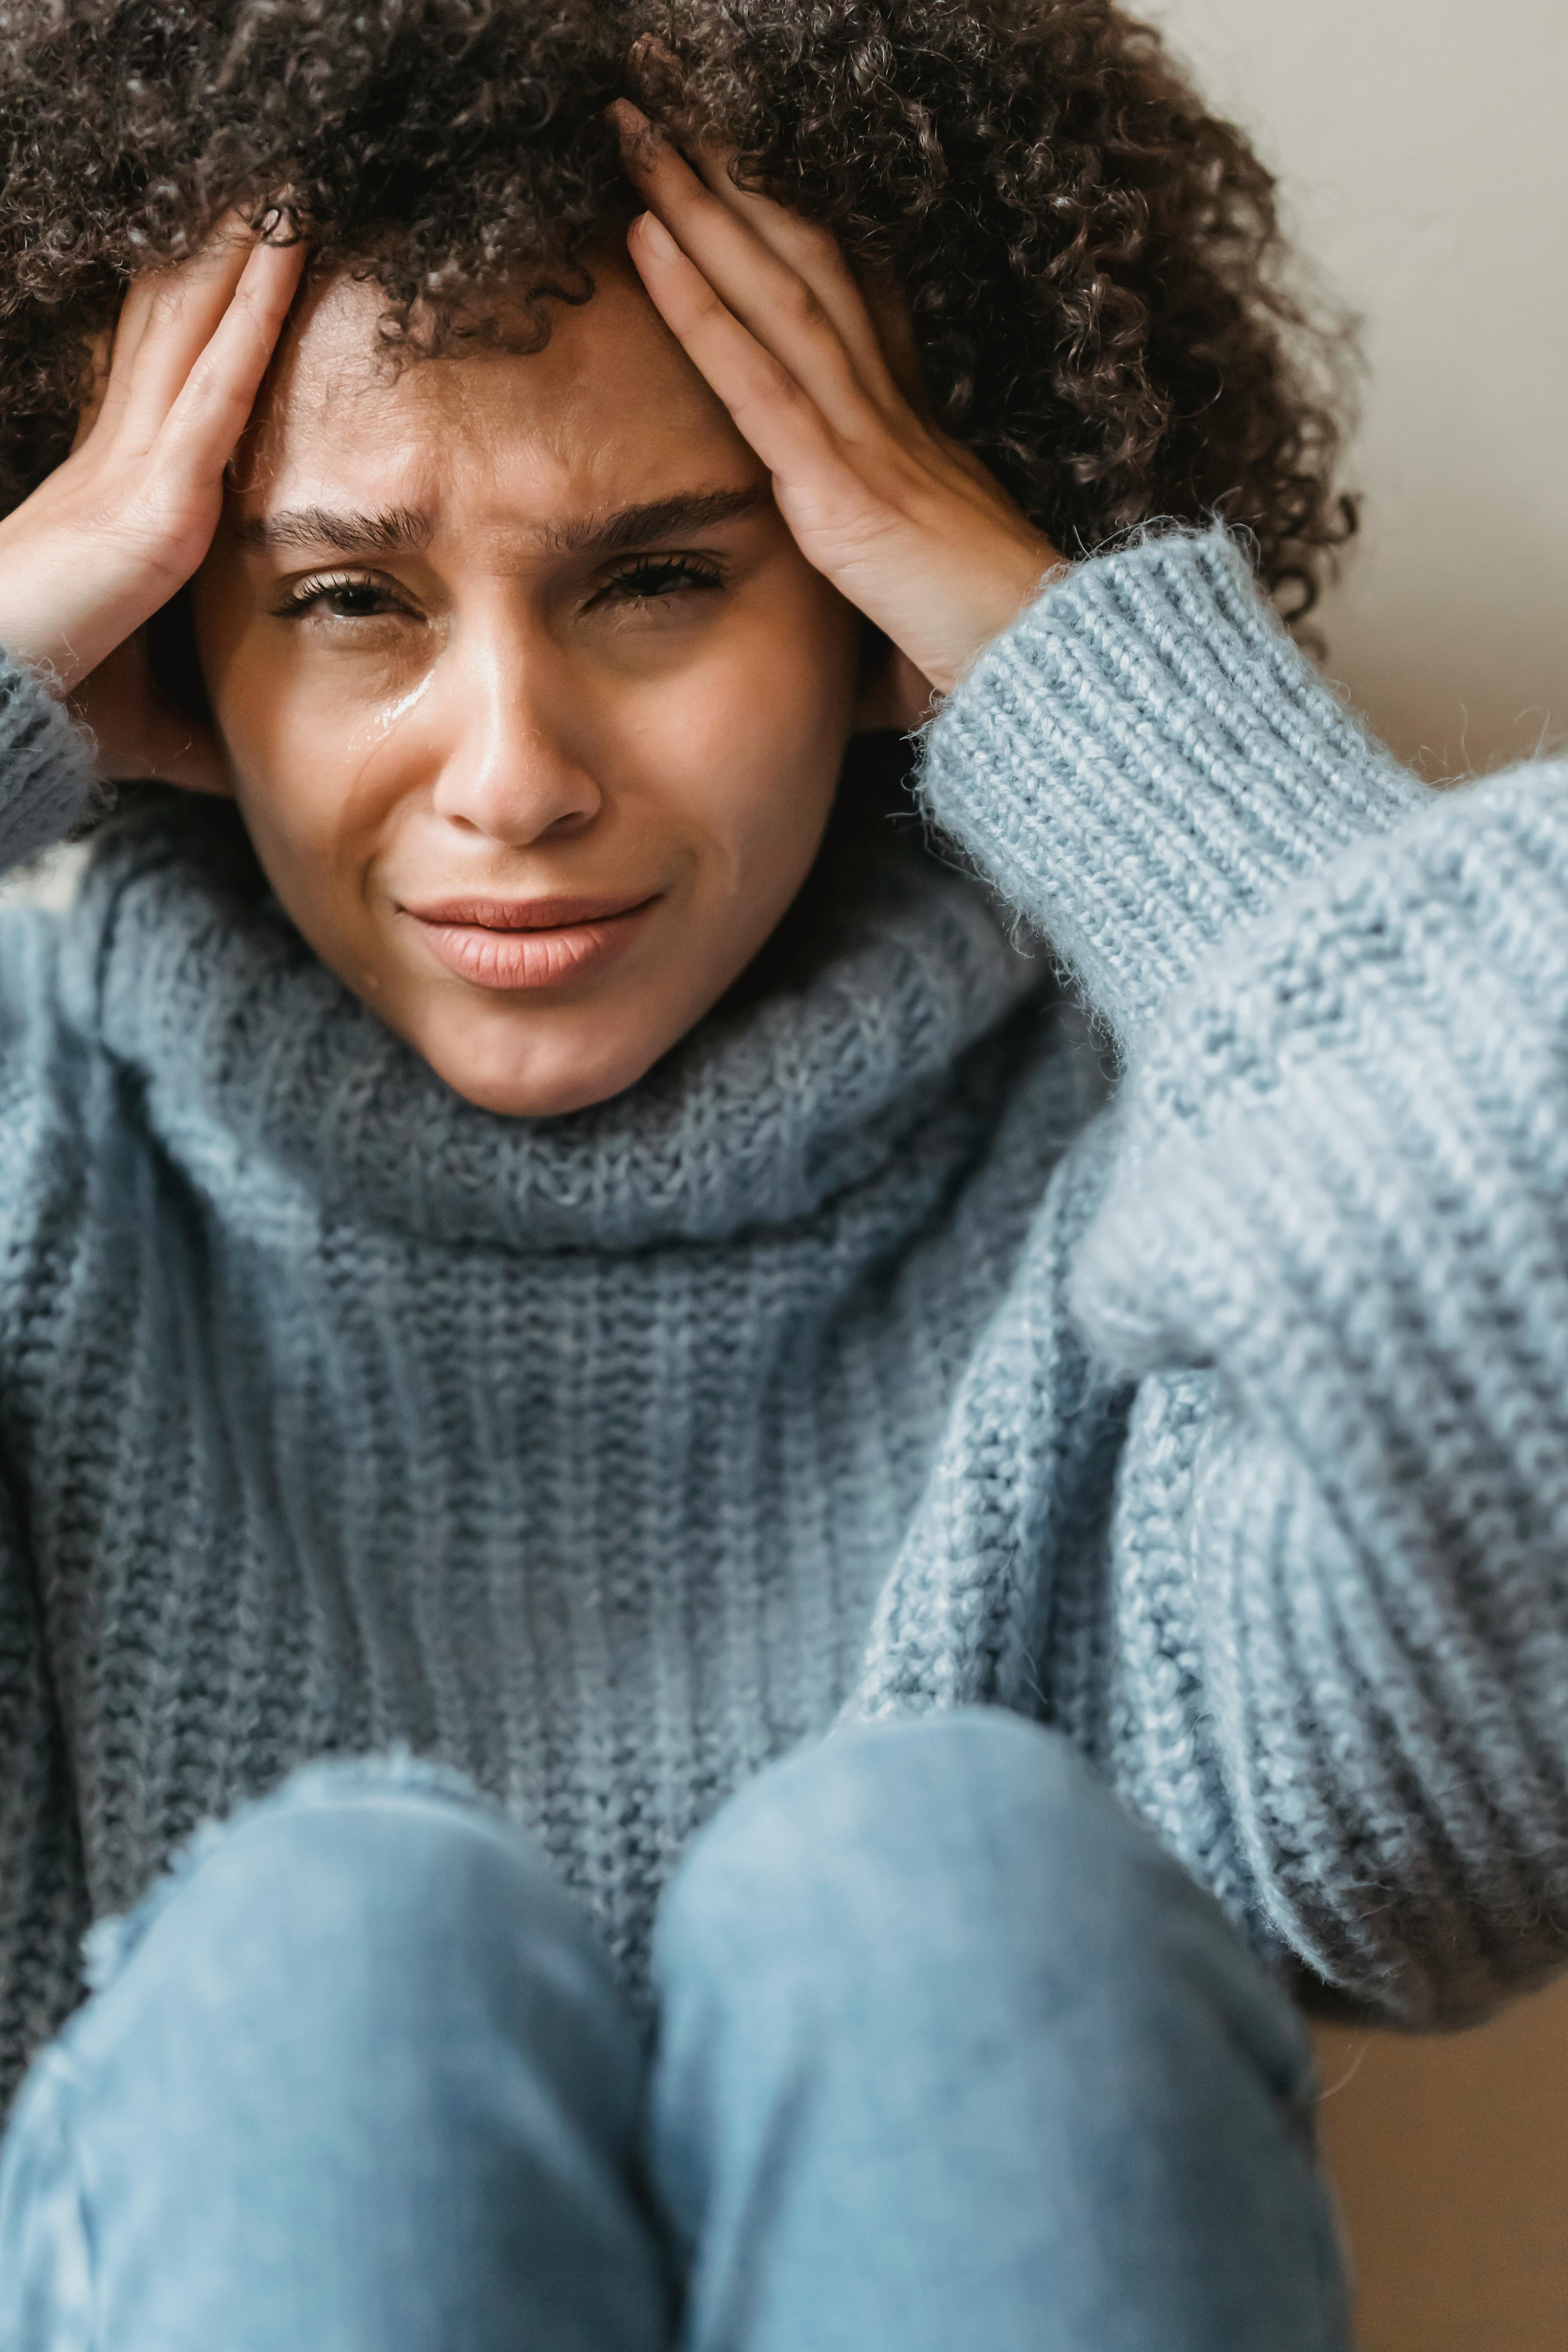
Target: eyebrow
(399, 530)
(634, 526)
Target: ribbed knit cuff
(47, 780)
(1142, 762)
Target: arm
(42, 1894)
(1335, 1202)
(1342, 1187)
(84, 562)
(45, 784)
(1339, 1198)
(46, 769)
(1143, 761)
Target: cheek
(753, 737)
(314, 771)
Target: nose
(510, 770)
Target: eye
(340, 596)
(651, 579)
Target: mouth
(529, 943)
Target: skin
(505, 707)
(485, 636)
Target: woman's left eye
(653, 577)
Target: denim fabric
(949, 2054)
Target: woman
(550, 1237)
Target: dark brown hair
(1093, 261)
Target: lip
(529, 943)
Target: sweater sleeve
(1336, 1215)
(46, 768)
(1340, 1192)
(46, 787)
(1144, 760)
(42, 1894)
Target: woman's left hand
(906, 525)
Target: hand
(906, 525)
(114, 531)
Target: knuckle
(822, 247)
(704, 300)
(802, 304)
(157, 517)
(206, 377)
(780, 384)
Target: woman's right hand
(124, 523)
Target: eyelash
(685, 571)
(646, 580)
(306, 594)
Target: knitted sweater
(859, 1358)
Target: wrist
(25, 652)
(60, 637)
(999, 597)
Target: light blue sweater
(859, 1358)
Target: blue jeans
(950, 2055)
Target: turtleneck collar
(254, 1057)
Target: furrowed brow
(639, 526)
(397, 530)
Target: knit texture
(46, 785)
(860, 1359)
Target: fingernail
(656, 236)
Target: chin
(533, 1078)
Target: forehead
(609, 411)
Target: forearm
(1144, 760)
(42, 1894)
(1340, 1200)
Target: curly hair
(1092, 263)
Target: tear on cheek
(396, 712)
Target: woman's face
(532, 707)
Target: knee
(946, 1845)
(363, 1892)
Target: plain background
(1422, 151)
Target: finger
(782, 308)
(756, 256)
(101, 353)
(216, 401)
(112, 356)
(813, 253)
(178, 323)
(783, 423)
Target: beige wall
(1424, 149)
(1423, 146)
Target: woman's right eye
(338, 597)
